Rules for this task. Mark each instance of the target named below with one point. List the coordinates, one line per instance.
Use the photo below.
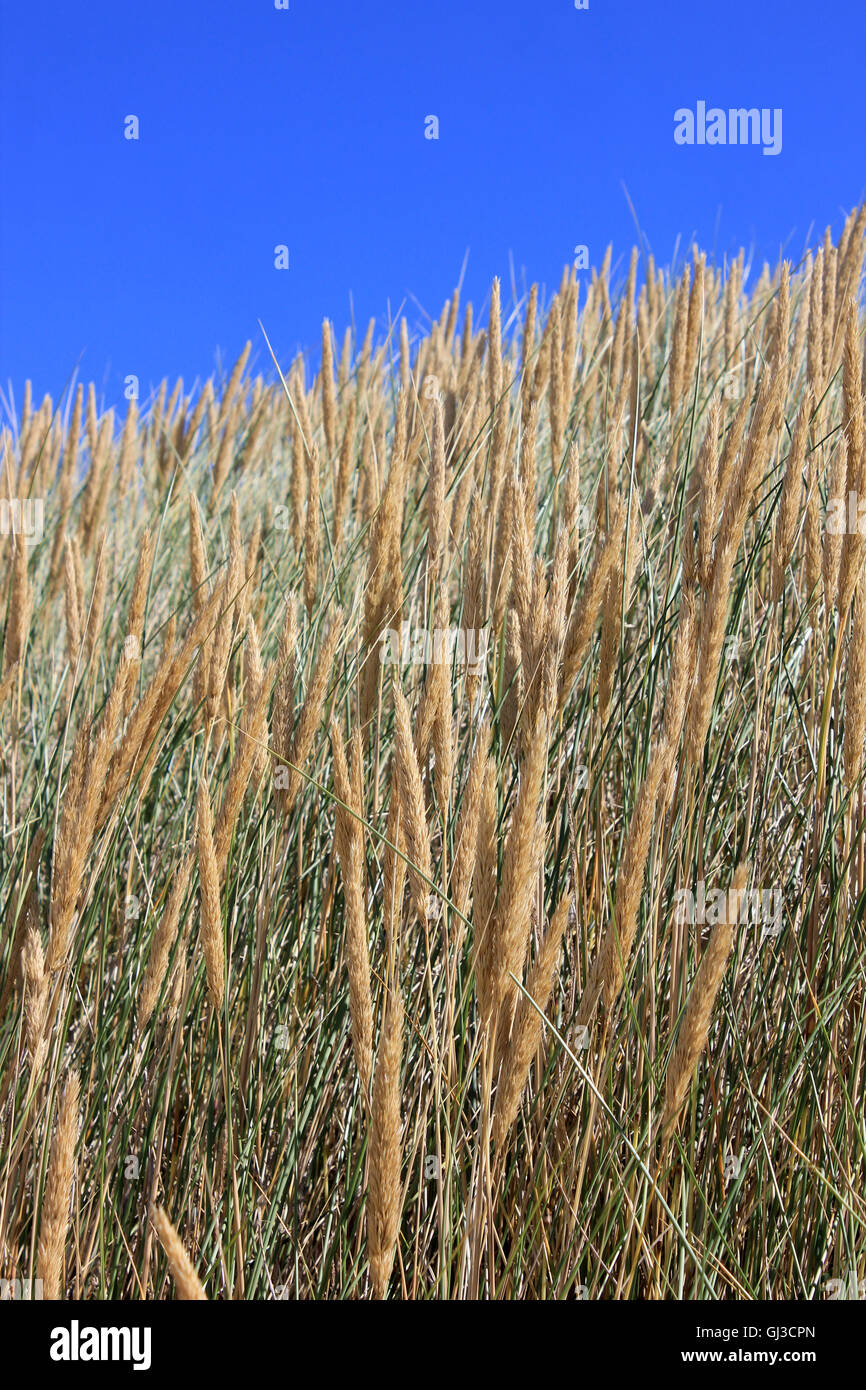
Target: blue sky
(305, 127)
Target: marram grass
(363, 736)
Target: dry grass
(353, 944)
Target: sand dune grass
(362, 736)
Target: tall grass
(329, 975)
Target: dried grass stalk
(183, 1271)
(54, 1219)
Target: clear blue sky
(306, 127)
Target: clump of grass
(364, 728)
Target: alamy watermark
(77, 1343)
(840, 519)
(849, 1287)
(20, 1290)
(23, 517)
(762, 907)
(737, 126)
(417, 646)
